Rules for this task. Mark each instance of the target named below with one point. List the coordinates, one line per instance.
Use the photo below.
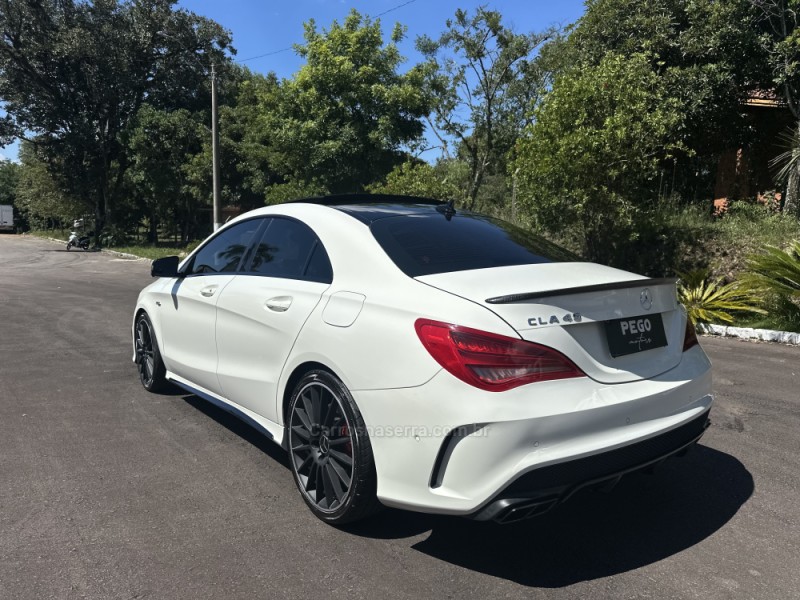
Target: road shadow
(238, 427)
(645, 519)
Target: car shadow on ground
(238, 427)
(645, 519)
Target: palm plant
(787, 166)
(775, 277)
(709, 301)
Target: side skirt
(272, 430)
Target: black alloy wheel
(330, 452)
(152, 372)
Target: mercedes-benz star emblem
(646, 299)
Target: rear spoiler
(583, 289)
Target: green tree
(9, 177)
(706, 52)
(247, 142)
(159, 147)
(596, 144)
(73, 74)
(344, 118)
(38, 195)
(780, 40)
(484, 80)
(439, 182)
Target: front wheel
(330, 451)
(69, 245)
(152, 372)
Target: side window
(224, 252)
(289, 249)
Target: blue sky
(268, 27)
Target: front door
(189, 317)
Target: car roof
(368, 208)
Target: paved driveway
(109, 492)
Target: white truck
(6, 217)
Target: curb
(751, 334)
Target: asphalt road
(107, 491)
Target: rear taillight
(690, 337)
(489, 361)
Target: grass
(151, 252)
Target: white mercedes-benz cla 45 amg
(409, 354)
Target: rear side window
(224, 253)
(429, 244)
(291, 250)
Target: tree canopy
(344, 118)
(483, 80)
(74, 74)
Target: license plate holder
(635, 334)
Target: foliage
(343, 118)
(708, 55)
(38, 195)
(9, 177)
(293, 190)
(73, 75)
(484, 81)
(780, 40)
(158, 143)
(596, 144)
(712, 301)
(422, 180)
(774, 275)
(249, 161)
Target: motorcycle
(76, 241)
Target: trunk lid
(599, 317)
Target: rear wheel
(152, 372)
(330, 451)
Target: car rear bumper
(540, 490)
(445, 447)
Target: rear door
(260, 313)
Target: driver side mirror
(165, 267)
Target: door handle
(279, 303)
(208, 291)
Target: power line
(399, 6)
(263, 55)
(396, 7)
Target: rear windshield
(430, 244)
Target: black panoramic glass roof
(425, 237)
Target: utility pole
(217, 214)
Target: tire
(69, 245)
(330, 452)
(152, 372)
(84, 246)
